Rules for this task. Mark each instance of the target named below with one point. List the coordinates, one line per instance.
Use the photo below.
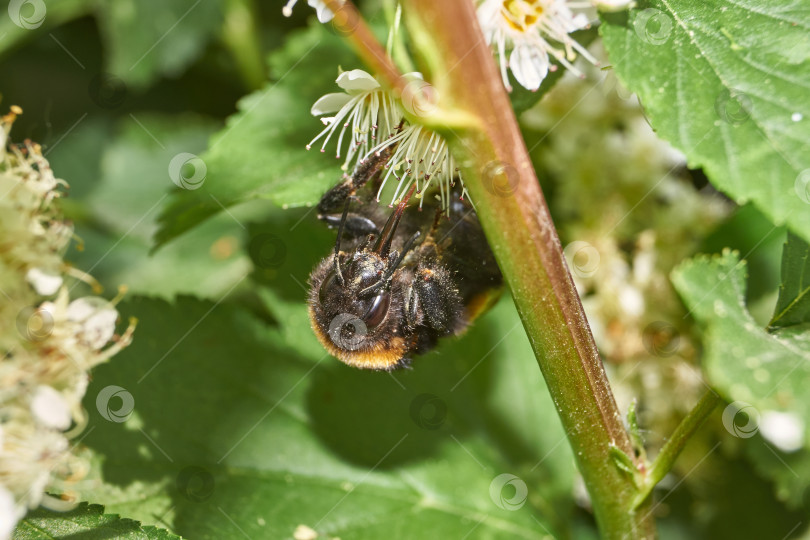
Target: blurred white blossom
(48, 341)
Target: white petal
(9, 513)
(44, 284)
(50, 408)
(97, 319)
(785, 430)
(529, 66)
(357, 80)
(578, 22)
(330, 103)
(324, 13)
(611, 6)
(82, 308)
(100, 328)
(489, 14)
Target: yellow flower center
(522, 14)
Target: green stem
(240, 36)
(396, 42)
(672, 448)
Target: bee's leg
(334, 199)
(433, 300)
(355, 225)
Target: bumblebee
(397, 281)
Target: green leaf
(726, 83)
(742, 361)
(236, 427)
(793, 305)
(21, 21)
(146, 39)
(117, 196)
(261, 152)
(86, 521)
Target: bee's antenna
(383, 244)
(337, 243)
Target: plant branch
(348, 21)
(672, 448)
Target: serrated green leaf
(86, 521)
(793, 305)
(261, 152)
(234, 429)
(147, 39)
(726, 83)
(741, 360)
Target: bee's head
(356, 303)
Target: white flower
(376, 121)
(420, 156)
(365, 109)
(324, 13)
(532, 30)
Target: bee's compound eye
(378, 310)
(327, 284)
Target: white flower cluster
(48, 341)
